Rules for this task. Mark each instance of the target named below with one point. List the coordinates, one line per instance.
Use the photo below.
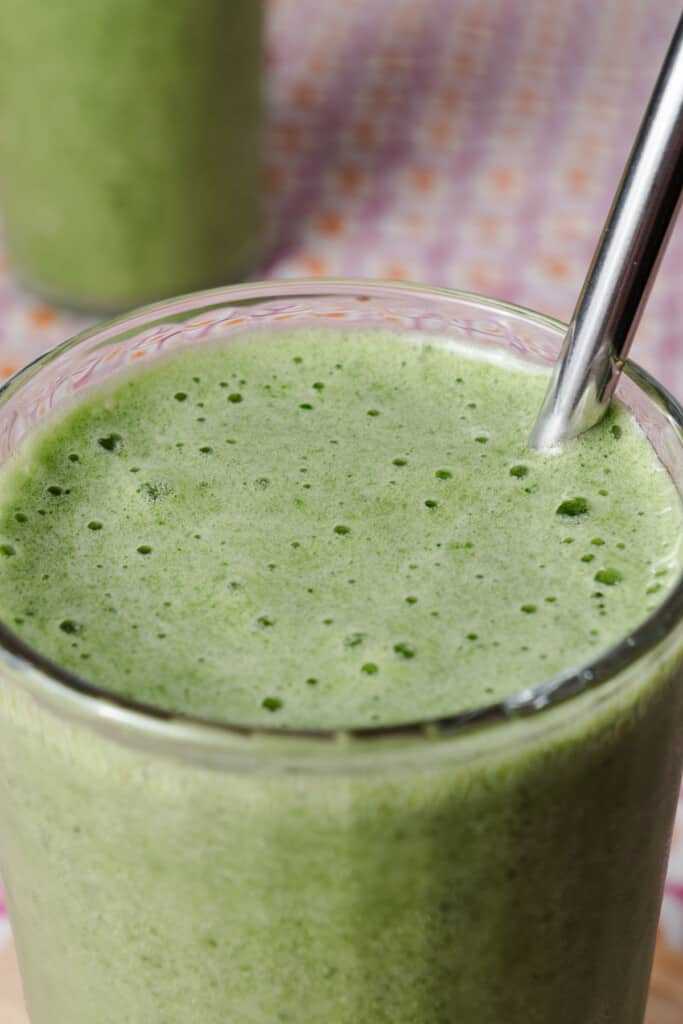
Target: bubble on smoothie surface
(573, 507)
(111, 442)
(608, 576)
(406, 650)
(70, 626)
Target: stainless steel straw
(623, 267)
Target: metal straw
(623, 268)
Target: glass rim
(183, 728)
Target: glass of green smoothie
(130, 146)
(322, 698)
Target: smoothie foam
(329, 530)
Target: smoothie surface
(326, 529)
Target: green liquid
(130, 145)
(193, 530)
(329, 530)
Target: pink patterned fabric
(470, 143)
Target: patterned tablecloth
(471, 143)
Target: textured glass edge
(79, 700)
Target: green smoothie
(330, 529)
(130, 145)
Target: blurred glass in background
(130, 145)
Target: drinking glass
(130, 146)
(500, 865)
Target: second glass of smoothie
(130, 146)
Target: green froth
(216, 564)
